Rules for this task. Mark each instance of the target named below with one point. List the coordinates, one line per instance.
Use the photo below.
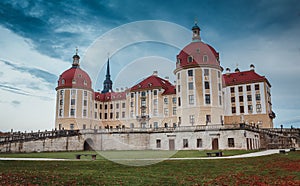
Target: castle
(201, 96)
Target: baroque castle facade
(201, 96)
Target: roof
(154, 82)
(80, 77)
(109, 96)
(197, 50)
(244, 77)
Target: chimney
(252, 67)
(237, 70)
(155, 73)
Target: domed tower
(199, 84)
(74, 98)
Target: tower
(107, 84)
(199, 84)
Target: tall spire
(107, 84)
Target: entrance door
(215, 144)
(171, 144)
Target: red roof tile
(109, 96)
(154, 82)
(244, 77)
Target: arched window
(73, 81)
(63, 81)
(190, 59)
(84, 82)
(205, 58)
(178, 60)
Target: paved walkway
(254, 154)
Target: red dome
(197, 54)
(74, 78)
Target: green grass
(278, 169)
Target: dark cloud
(38, 73)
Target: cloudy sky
(38, 40)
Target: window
(257, 97)
(256, 86)
(178, 75)
(206, 83)
(132, 114)
(185, 143)
(96, 114)
(258, 107)
(205, 58)
(242, 109)
(206, 72)
(155, 102)
(132, 95)
(155, 92)
(250, 108)
(100, 106)
(219, 85)
(100, 115)
(219, 74)
(166, 111)
(174, 100)
(117, 115)
(72, 101)
(190, 73)
(143, 94)
(190, 59)
(158, 143)
(220, 100)
(60, 112)
(155, 125)
(178, 60)
(207, 98)
(174, 111)
(105, 115)
(123, 105)
(84, 112)
(123, 114)
(249, 98)
(84, 102)
(241, 98)
(131, 104)
(166, 100)
(191, 85)
(232, 89)
(84, 126)
(131, 125)
(233, 110)
(72, 112)
(179, 102)
(61, 92)
(232, 99)
(85, 93)
(84, 82)
(105, 106)
(73, 92)
(208, 118)
(73, 81)
(117, 105)
(71, 126)
(96, 106)
(230, 142)
(199, 143)
(61, 102)
(155, 112)
(178, 88)
(111, 106)
(191, 99)
(240, 89)
(63, 81)
(248, 87)
(192, 119)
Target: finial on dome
(252, 67)
(196, 31)
(76, 59)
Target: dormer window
(73, 81)
(84, 82)
(178, 60)
(205, 58)
(190, 59)
(63, 81)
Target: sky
(39, 38)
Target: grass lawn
(278, 169)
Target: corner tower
(199, 84)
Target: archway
(88, 144)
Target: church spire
(107, 84)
